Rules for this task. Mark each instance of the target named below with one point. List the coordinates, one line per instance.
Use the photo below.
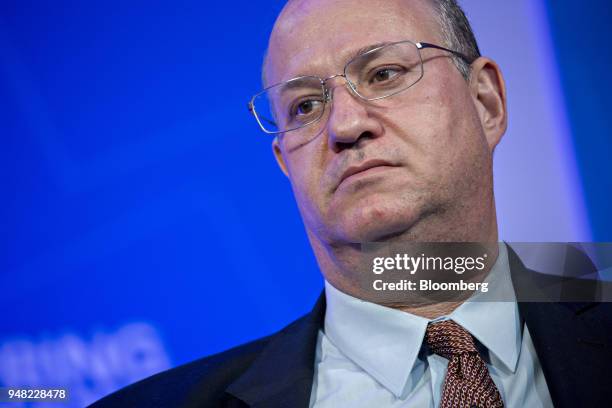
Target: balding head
(454, 31)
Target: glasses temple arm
(422, 45)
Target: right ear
(278, 154)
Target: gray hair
(457, 33)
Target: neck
(349, 269)
(432, 311)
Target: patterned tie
(467, 383)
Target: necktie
(467, 383)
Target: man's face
(415, 156)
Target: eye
(306, 107)
(384, 75)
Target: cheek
(427, 123)
(305, 174)
(458, 147)
(440, 129)
(451, 118)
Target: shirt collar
(386, 342)
(499, 329)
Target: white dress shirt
(373, 356)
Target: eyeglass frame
(326, 91)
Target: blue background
(137, 188)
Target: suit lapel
(571, 340)
(282, 374)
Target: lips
(367, 165)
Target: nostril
(354, 143)
(340, 146)
(364, 136)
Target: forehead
(317, 37)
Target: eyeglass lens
(377, 74)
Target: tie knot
(448, 339)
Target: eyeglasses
(376, 74)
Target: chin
(374, 223)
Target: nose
(350, 120)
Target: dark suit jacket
(573, 342)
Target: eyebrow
(367, 48)
(297, 82)
(351, 56)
